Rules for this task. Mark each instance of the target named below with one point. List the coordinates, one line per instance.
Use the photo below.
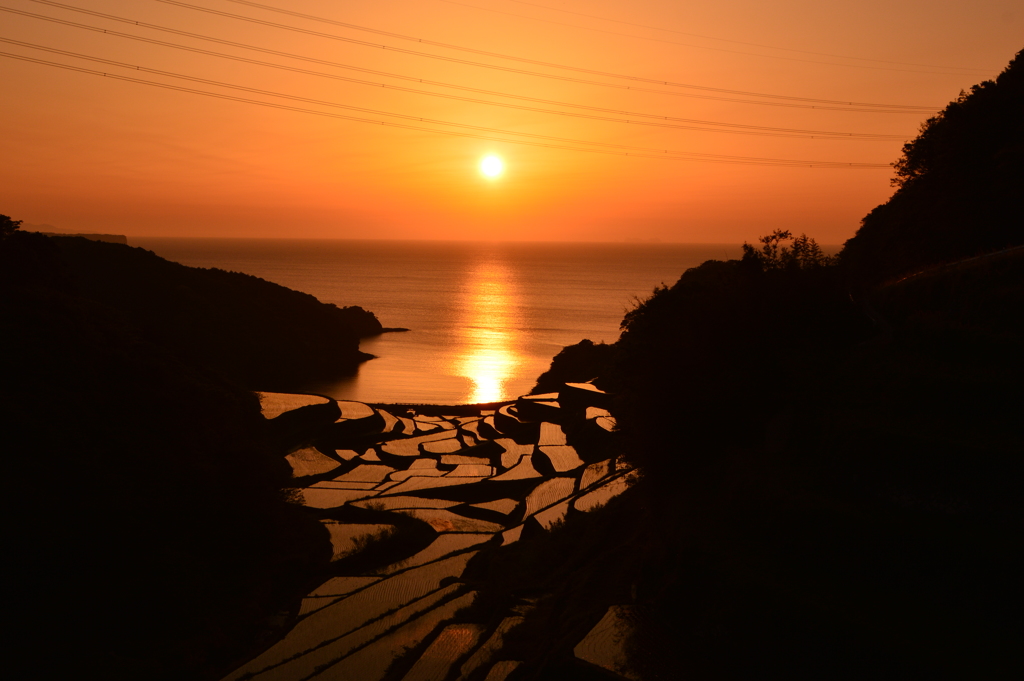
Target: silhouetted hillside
(111, 238)
(259, 334)
(826, 493)
(575, 364)
(831, 483)
(149, 535)
(960, 186)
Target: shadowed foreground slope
(149, 536)
(832, 483)
(832, 500)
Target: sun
(492, 166)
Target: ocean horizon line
(640, 242)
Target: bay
(484, 318)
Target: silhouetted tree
(575, 364)
(958, 187)
(7, 226)
(803, 253)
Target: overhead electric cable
(524, 60)
(679, 156)
(916, 111)
(320, 102)
(690, 124)
(707, 37)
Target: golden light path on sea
(488, 355)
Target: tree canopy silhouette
(7, 226)
(958, 187)
(803, 253)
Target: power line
(537, 62)
(830, 105)
(677, 156)
(319, 102)
(707, 37)
(690, 124)
(506, 69)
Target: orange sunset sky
(85, 152)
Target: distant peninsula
(109, 238)
(51, 230)
(258, 334)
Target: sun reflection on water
(488, 355)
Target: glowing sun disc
(491, 166)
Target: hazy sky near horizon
(171, 148)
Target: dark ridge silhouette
(150, 536)
(823, 495)
(830, 483)
(8, 225)
(831, 489)
(110, 238)
(575, 364)
(959, 187)
(50, 230)
(259, 334)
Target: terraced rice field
(472, 483)
(604, 645)
(345, 536)
(308, 461)
(275, 404)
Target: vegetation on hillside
(959, 187)
(259, 334)
(151, 537)
(8, 225)
(831, 482)
(826, 489)
(578, 363)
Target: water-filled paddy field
(438, 490)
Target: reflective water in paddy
(355, 626)
(335, 631)
(454, 641)
(485, 319)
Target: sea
(484, 319)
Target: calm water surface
(485, 319)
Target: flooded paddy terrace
(409, 497)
